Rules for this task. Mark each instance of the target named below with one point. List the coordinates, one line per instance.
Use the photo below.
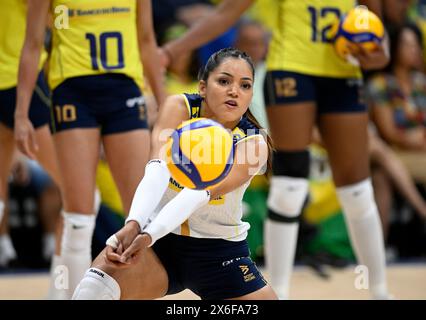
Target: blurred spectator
(388, 172)
(167, 12)
(398, 101)
(28, 174)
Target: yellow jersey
(301, 40)
(93, 37)
(13, 14)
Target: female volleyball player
(12, 34)
(197, 241)
(307, 82)
(95, 74)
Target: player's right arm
(172, 113)
(27, 76)
(208, 28)
(155, 181)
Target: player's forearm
(210, 27)
(176, 212)
(151, 63)
(149, 192)
(27, 77)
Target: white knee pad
(78, 231)
(287, 195)
(97, 285)
(97, 201)
(357, 200)
(1, 210)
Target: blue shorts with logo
(332, 95)
(211, 268)
(39, 112)
(112, 102)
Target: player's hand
(370, 60)
(132, 253)
(25, 137)
(120, 241)
(165, 57)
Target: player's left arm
(379, 58)
(149, 50)
(250, 157)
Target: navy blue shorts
(211, 268)
(112, 102)
(332, 95)
(39, 108)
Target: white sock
(76, 247)
(365, 230)
(286, 198)
(48, 249)
(7, 250)
(97, 285)
(1, 210)
(55, 291)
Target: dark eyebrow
(230, 75)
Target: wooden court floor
(406, 281)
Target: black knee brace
(293, 164)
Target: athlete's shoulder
(245, 129)
(193, 103)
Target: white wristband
(149, 192)
(176, 212)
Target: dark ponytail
(267, 137)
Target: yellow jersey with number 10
(93, 37)
(13, 14)
(302, 42)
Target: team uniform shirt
(12, 35)
(94, 37)
(221, 218)
(302, 39)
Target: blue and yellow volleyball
(200, 153)
(360, 26)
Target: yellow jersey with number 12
(302, 41)
(13, 14)
(93, 37)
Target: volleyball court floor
(406, 281)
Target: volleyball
(359, 26)
(199, 153)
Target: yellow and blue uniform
(95, 70)
(302, 63)
(12, 34)
(208, 253)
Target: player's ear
(202, 88)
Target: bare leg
(346, 139)
(7, 148)
(78, 153)
(147, 279)
(127, 154)
(383, 156)
(291, 127)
